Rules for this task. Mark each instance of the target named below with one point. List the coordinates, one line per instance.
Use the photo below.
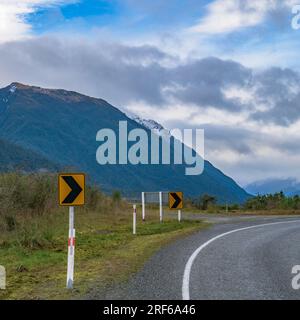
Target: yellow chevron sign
(71, 187)
(175, 200)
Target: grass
(35, 254)
(34, 232)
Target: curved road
(219, 263)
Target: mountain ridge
(61, 126)
(290, 186)
(16, 158)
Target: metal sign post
(71, 249)
(173, 199)
(179, 215)
(71, 192)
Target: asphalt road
(253, 263)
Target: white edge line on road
(189, 264)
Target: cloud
(201, 82)
(249, 116)
(279, 90)
(248, 151)
(13, 13)
(128, 75)
(226, 16)
(114, 72)
(122, 74)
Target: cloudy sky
(231, 67)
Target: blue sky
(135, 16)
(224, 28)
(90, 14)
(228, 66)
(202, 24)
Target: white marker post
(143, 206)
(160, 207)
(2, 278)
(134, 220)
(71, 249)
(179, 215)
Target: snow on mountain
(152, 125)
(12, 89)
(63, 110)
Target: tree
(206, 200)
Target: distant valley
(289, 186)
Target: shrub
(204, 201)
(116, 196)
(29, 209)
(273, 201)
(11, 223)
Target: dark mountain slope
(13, 157)
(62, 126)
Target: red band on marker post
(71, 249)
(71, 242)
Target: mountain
(152, 125)
(14, 157)
(61, 126)
(289, 186)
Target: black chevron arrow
(75, 189)
(177, 200)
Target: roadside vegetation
(277, 203)
(273, 201)
(34, 232)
